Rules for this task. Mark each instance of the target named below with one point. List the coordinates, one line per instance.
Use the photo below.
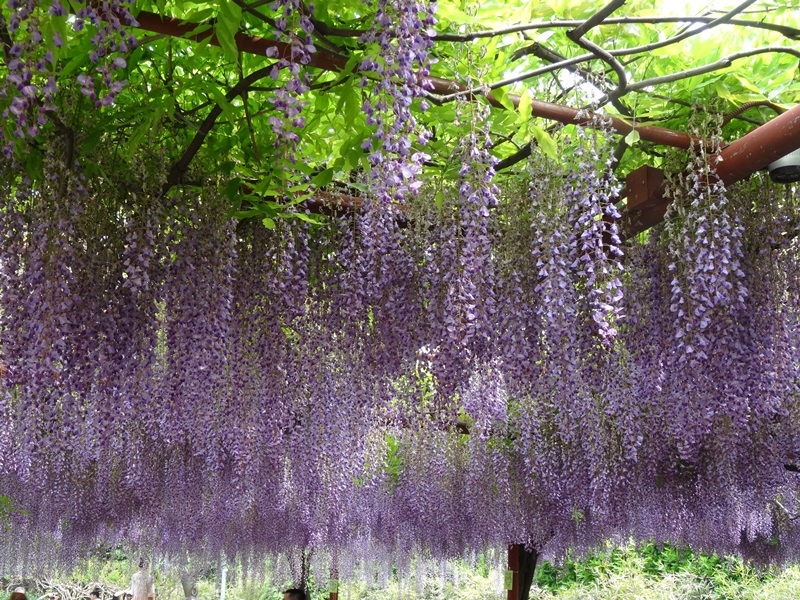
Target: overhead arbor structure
(369, 280)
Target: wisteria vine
(37, 31)
(451, 368)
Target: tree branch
(789, 515)
(622, 78)
(518, 156)
(790, 32)
(68, 133)
(516, 79)
(178, 170)
(625, 52)
(249, 120)
(686, 34)
(326, 29)
(723, 63)
(252, 10)
(321, 30)
(551, 56)
(5, 37)
(576, 35)
(594, 20)
(737, 112)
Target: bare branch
(249, 119)
(789, 515)
(5, 37)
(178, 170)
(326, 29)
(576, 35)
(790, 32)
(518, 156)
(594, 20)
(736, 113)
(686, 34)
(611, 61)
(722, 63)
(321, 30)
(540, 51)
(319, 34)
(252, 10)
(623, 52)
(517, 78)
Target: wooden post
(646, 203)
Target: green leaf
(323, 178)
(352, 106)
(632, 137)
(145, 127)
(439, 199)
(313, 219)
(34, 165)
(246, 214)
(227, 107)
(198, 16)
(545, 141)
(91, 140)
(352, 63)
(268, 223)
(449, 11)
(232, 189)
(524, 107)
(228, 21)
(76, 61)
(748, 85)
(502, 97)
(201, 28)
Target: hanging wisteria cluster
(37, 30)
(461, 367)
(402, 34)
(287, 98)
(181, 382)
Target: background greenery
(647, 572)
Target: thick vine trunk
(189, 585)
(522, 563)
(527, 567)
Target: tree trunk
(189, 585)
(522, 563)
(527, 566)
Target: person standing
(142, 584)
